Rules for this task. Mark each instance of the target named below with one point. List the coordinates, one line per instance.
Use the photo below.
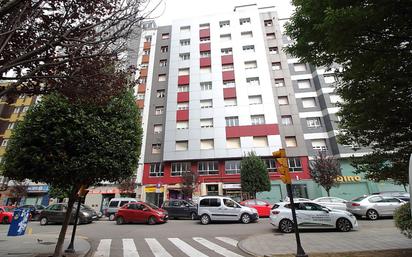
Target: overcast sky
(170, 10)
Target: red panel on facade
(205, 62)
(229, 92)
(204, 33)
(252, 130)
(183, 80)
(228, 75)
(227, 59)
(182, 97)
(140, 104)
(204, 47)
(182, 115)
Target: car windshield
(358, 199)
(152, 206)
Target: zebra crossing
(168, 247)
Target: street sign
(19, 222)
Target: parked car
(404, 196)
(263, 208)
(141, 212)
(6, 214)
(374, 206)
(95, 214)
(332, 202)
(35, 210)
(180, 209)
(296, 199)
(311, 215)
(55, 213)
(115, 204)
(211, 208)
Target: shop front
(155, 194)
(37, 194)
(233, 190)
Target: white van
(115, 204)
(210, 208)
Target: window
(334, 99)
(233, 143)
(156, 148)
(246, 34)
(211, 202)
(182, 145)
(146, 52)
(159, 110)
(206, 103)
(223, 24)
(255, 99)
(183, 106)
(227, 67)
(253, 81)
(232, 121)
(286, 120)
(294, 164)
(185, 29)
(226, 51)
(270, 36)
(205, 39)
(319, 144)
(229, 84)
(184, 56)
(268, 23)
(279, 82)
(182, 125)
(140, 96)
(250, 65)
(244, 21)
(249, 48)
(162, 77)
(270, 164)
(329, 79)
(308, 102)
(313, 122)
(225, 37)
(257, 119)
(160, 93)
(206, 123)
(183, 88)
(260, 142)
(304, 83)
(164, 49)
(165, 36)
(156, 170)
(290, 141)
(185, 42)
(206, 144)
(4, 143)
(163, 63)
(148, 38)
(144, 65)
(178, 168)
(11, 125)
(204, 70)
(204, 26)
(204, 54)
(276, 66)
(142, 80)
(283, 100)
(184, 72)
(204, 86)
(208, 168)
(157, 129)
(232, 167)
(230, 102)
(273, 50)
(17, 110)
(299, 67)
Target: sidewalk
(38, 244)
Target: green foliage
(370, 40)
(324, 171)
(59, 193)
(68, 144)
(403, 219)
(254, 176)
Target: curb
(240, 246)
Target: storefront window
(300, 190)
(213, 189)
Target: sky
(170, 10)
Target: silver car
(332, 202)
(374, 206)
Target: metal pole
(410, 180)
(70, 248)
(299, 252)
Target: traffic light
(283, 167)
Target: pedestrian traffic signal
(282, 165)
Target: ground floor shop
(99, 197)
(31, 194)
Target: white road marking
(156, 248)
(129, 248)
(103, 250)
(228, 240)
(186, 248)
(217, 248)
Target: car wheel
(193, 216)
(372, 214)
(205, 219)
(111, 216)
(119, 220)
(5, 220)
(286, 226)
(151, 220)
(44, 221)
(245, 218)
(343, 225)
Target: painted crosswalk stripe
(103, 250)
(228, 240)
(186, 248)
(217, 248)
(156, 248)
(129, 248)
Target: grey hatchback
(55, 213)
(180, 209)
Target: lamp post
(82, 193)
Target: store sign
(154, 190)
(231, 186)
(348, 179)
(43, 188)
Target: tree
(59, 193)
(371, 42)
(189, 182)
(69, 144)
(39, 39)
(127, 187)
(254, 176)
(324, 171)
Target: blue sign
(19, 222)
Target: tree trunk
(327, 191)
(58, 251)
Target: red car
(261, 206)
(141, 212)
(6, 214)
